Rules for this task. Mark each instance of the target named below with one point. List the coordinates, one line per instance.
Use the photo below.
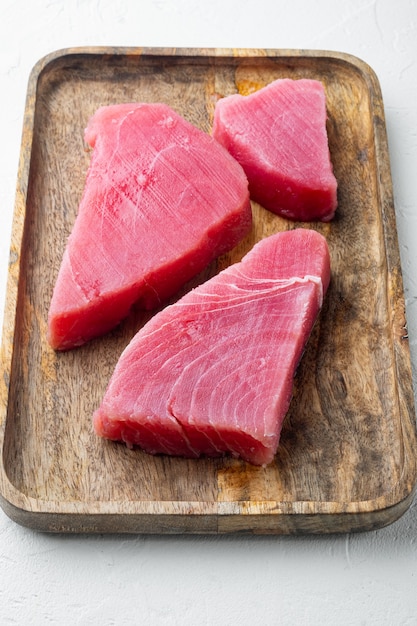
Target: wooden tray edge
(201, 523)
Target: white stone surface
(361, 579)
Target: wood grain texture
(347, 458)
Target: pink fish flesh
(161, 200)
(213, 373)
(278, 134)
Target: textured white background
(348, 579)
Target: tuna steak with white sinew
(278, 134)
(161, 200)
(213, 373)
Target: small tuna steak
(278, 134)
(161, 200)
(213, 373)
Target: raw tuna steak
(213, 373)
(278, 134)
(161, 200)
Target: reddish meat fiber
(278, 134)
(161, 200)
(213, 373)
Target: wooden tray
(347, 458)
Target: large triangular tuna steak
(213, 373)
(278, 134)
(161, 200)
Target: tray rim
(94, 516)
